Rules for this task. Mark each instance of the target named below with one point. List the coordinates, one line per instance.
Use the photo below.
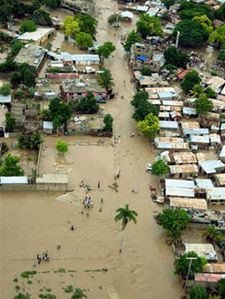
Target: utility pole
(189, 268)
(177, 39)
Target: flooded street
(34, 222)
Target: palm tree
(125, 215)
(213, 234)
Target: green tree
(168, 3)
(182, 264)
(190, 79)
(176, 57)
(203, 104)
(192, 33)
(30, 141)
(196, 90)
(174, 221)
(10, 168)
(221, 288)
(87, 23)
(42, 17)
(218, 36)
(114, 19)
(189, 10)
(5, 12)
(143, 109)
(28, 26)
(146, 71)
(160, 167)
(60, 113)
(197, 292)
(220, 13)
(105, 51)
(70, 27)
(10, 122)
(84, 40)
(108, 121)
(21, 296)
(213, 234)
(105, 79)
(147, 25)
(61, 146)
(48, 46)
(221, 56)
(5, 89)
(205, 22)
(125, 216)
(149, 126)
(139, 96)
(87, 104)
(170, 67)
(78, 294)
(51, 3)
(132, 38)
(28, 78)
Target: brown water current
(33, 222)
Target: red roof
(182, 74)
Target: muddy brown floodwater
(34, 222)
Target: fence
(62, 76)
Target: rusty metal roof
(191, 203)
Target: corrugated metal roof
(217, 193)
(180, 192)
(189, 203)
(164, 124)
(170, 183)
(199, 139)
(5, 99)
(13, 180)
(222, 153)
(190, 125)
(184, 157)
(210, 166)
(166, 94)
(204, 183)
(214, 268)
(48, 125)
(215, 138)
(189, 111)
(204, 277)
(220, 178)
(184, 168)
(200, 131)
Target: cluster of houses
(192, 146)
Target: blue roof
(143, 58)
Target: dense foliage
(10, 167)
(105, 79)
(60, 113)
(61, 146)
(190, 79)
(108, 121)
(160, 167)
(28, 26)
(10, 122)
(132, 38)
(87, 104)
(105, 50)
(147, 26)
(149, 126)
(174, 221)
(203, 104)
(198, 292)
(176, 57)
(30, 141)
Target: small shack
(203, 250)
(52, 182)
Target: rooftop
(184, 157)
(36, 35)
(210, 166)
(204, 250)
(180, 192)
(4, 180)
(56, 178)
(188, 203)
(184, 168)
(204, 183)
(31, 55)
(217, 193)
(170, 183)
(205, 277)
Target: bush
(108, 121)
(4, 148)
(160, 167)
(10, 122)
(61, 146)
(198, 293)
(30, 141)
(176, 57)
(221, 287)
(213, 73)
(19, 93)
(78, 294)
(28, 25)
(87, 104)
(190, 79)
(203, 104)
(5, 89)
(146, 71)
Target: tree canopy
(10, 122)
(105, 79)
(203, 104)
(108, 121)
(213, 234)
(168, 3)
(221, 288)
(30, 141)
(61, 146)
(42, 17)
(182, 264)
(198, 292)
(60, 113)
(87, 104)
(10, 167)
(149, 126)
(114, 18)
(189, 10)
(28, 26)
(190, 79)
(192, 33)
(174, 221)
(205, 22)
(70, 27)
(125, 215)
(84, 40)
(176, 57)
(51, 3)
(132, 38)
(218, 36)
(160, 167)
(5, 89)
(147, 26)
(221, 56)
(105, 50)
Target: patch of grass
(15, 280)
(45, 272)
(78, 294)
(60, 270)
(26, 274)
(48, 289)
(72, 271)
(68, 289)
(29, 282)
(47, 296)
